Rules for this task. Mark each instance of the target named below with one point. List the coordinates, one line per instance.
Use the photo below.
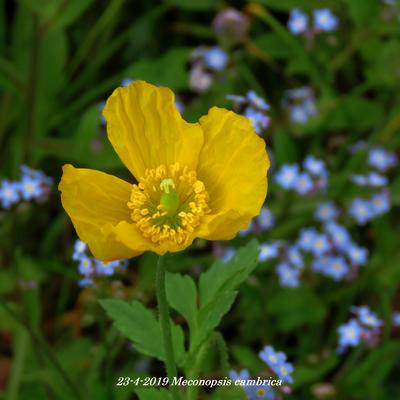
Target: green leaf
(153, 394)
(139, 324)
(72, 10)
(168, 70)
(228, 276)
(182, 296)
(274, 46)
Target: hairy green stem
(163, 310)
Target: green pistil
(169, 199)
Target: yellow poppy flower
(203, 180)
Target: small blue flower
(298, 114)
(304, 183)
(307, 238)
(271, 357)
(288, 275)
(337, 268)
(228, 254)
(9, 193)
(31, 188)
(106, 268)
(258, 119)
(298, 22)
(86, 267)
(381, 159)
(79, 250)
(315, 166)
(396, 319)
(377, 180)
(277, 362)
(358, 255)
(216, 59)
(85, 282)
(361, 210)
(324, 20)
(268, 251)
(360, 180)
(287, 176)
(320, 245)
(242, 375)
(253, 392)
(380, 203)
(295, 257)
(126, 81)
(320, 264)
(326, 212)
(339, 235)
(367, 317)
(265, 219)
(349, 335)
(257, 101)
(284, 372)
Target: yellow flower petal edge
(96, 203)
(233, 165)
(146, 130)
(204, 180)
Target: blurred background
(319, 80)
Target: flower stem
(165, 325)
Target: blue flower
(228, 254)
(320, 264)
(320, 245)
(265, 219)
(295, 257)
(31, 188)
(9, 193)
(307, 238)
(304, 183)
(268, 251)
(337, 268)
(277, 362)
(396, 319)
(315, 166)
(361, 210)
(288, 275)
(86, 267)
(85, 282)
(367, 317)
(381, 159)
(253, 392)
(287, 176)
(326, 212)
(79, 250)
(339, 235)
(257, 101)
(298, 22)
(127, 81)
(373, 179)
(358, 255)
(349, 335)
(380, 203)
(258, 119)
(298, 114)
(324, 20)
(106, 268)
(216, 59)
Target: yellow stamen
(168, 203)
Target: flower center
(168, 203)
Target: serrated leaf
(182, 296)
(228, 276)
(139, 324)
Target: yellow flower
(203, 180)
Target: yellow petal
(96, 202)
(146, 129)
(131, 237)
(233, 165)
